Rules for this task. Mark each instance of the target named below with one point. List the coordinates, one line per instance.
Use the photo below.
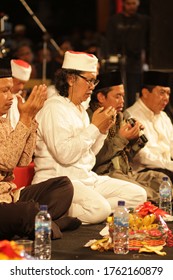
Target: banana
(143, 227)
(150, 249)
(141, 250)
(131, 220)
(139, 222)
(152, 226)
(134, 227)
(95, 245)
(152, 218)
(146, 220)
(146, 223)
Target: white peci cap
(20, 69)
(80, 61)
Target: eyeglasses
(89, 81)
(162, 92)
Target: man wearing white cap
(67, 143)
(21, 72)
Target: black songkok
(109, 79)
(157, 78)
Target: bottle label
(46, 227)
(121, 222)
(165, 193)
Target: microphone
(142, 140)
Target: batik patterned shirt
(16, 149)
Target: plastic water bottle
(165, 192)
(121, 227)
(43, 234)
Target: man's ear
(71, 80)
(100, 97)
(145, 93)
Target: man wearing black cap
(158, 152)
(124, 139)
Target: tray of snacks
(147, 226)
(148, 230)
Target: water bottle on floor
(165, 192)
(121, 227)
(42, 245)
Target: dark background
(66, 16)
(161, 35)
(59, 17)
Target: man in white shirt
(148, 109)
(21, 72)
(67, 143)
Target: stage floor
(71, 247)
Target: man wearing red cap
(21, 71)
(67, 142)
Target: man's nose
(10, 95)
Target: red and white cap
(20, 69)
(80, 61)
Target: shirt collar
(149, 114)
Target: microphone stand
(46, 35)
(3, 50)
(44, 66)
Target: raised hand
(103, 119)
(34, 103)
(130, 132)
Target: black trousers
(18, 219)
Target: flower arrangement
(10, 250)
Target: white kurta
(72, 142)
(66, 146)
(158, 151)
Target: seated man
(148, 109)
(19, 207)
(67, 143)
(124, 140)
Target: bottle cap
(121, 203)
(43, 207)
